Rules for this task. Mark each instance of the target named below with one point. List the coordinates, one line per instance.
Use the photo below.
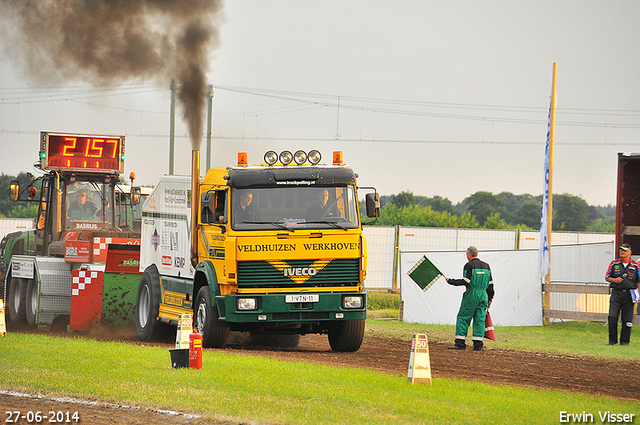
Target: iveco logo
(300, 271)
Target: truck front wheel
(147, 305)
(214, 332)
(346, 335)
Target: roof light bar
(300, 157)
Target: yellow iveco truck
(278, 251)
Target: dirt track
(589, 376)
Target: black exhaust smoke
(116, 41)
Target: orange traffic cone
(488, 328)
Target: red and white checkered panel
(86, 299)
(101, 245)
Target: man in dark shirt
(246, 213)
(323, 209)
(622, 276)
(478, 279)
(81, 209)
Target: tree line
(502, 211)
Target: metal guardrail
(583, 312)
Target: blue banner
(545, 263)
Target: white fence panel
(580, 264)
(486, 239)
(428, 238)
(530, 239)
(380, 256)
(596, 237)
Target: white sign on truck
(166, 225)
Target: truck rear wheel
(147, 305)
(346, 335)
(214, 332)
(32, 302)
(16, 311)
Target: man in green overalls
(478, 279)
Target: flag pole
(552, 128)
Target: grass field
(245, 388)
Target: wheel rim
(143, 306)
(201, 317)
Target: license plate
(312, 298)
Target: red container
(195, 351)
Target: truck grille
(263, 274)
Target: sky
(440, 98)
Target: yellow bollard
(419, 363)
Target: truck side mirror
(135, 195)
(14, 187)
(373, 204)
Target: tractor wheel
(16, 301)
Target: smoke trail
(116, 41)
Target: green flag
(424, 273)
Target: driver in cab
(246, 213)
(323, 208)
(81, 209)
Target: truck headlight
(352, 301)
(246, 304)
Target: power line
(306, 101)
(351, 140)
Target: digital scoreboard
(81, 152)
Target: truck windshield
(89, 202)
(294, 208)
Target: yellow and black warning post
(419, 362)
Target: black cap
(625, 247)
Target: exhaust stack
(195, 204)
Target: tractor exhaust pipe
(195, 204)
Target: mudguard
(206, 275)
